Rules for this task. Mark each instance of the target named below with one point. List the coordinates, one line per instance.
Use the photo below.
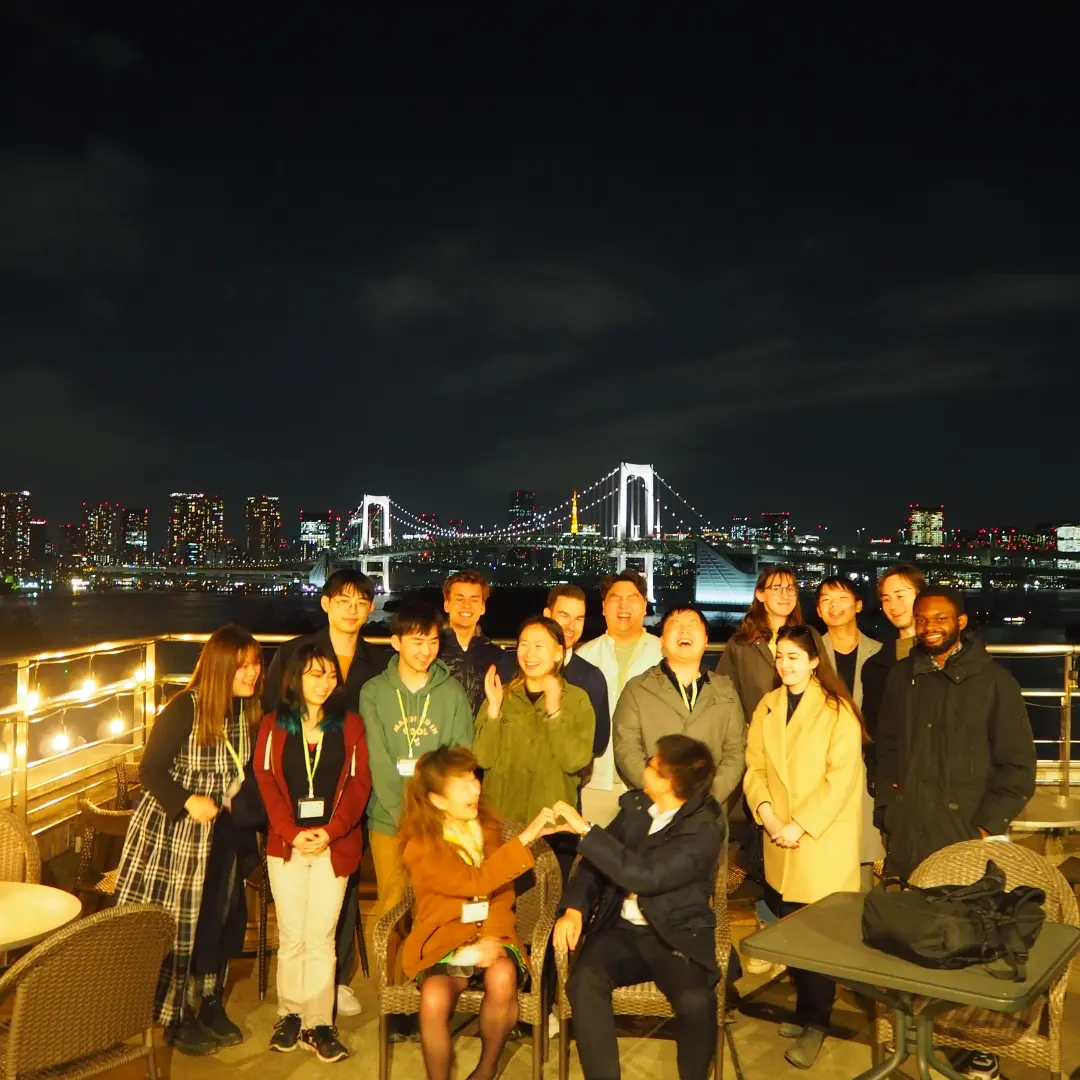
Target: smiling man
(956, 758)
(679, 697)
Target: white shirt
(630, 910)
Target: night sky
(797, 265)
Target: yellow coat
(811, 770)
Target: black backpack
(955, 926)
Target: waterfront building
(316, 533)
(14, 534)
(264, 525)
(196, 529)
(926, 525)
(102, 529)
(522, 507)
(136, 537)
(1068, 538)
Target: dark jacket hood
(971, 660)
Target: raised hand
(575, 822)
(552, 695)
(567, 932)
(541, 825)
(202, 808)
(493, 691)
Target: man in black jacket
(347, 599)
(955, 753)
(640, 899)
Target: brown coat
(811, 770)
(442, 881)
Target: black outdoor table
(827, 937)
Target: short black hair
(678, 609)
(838, 583)
(414, 619)
(944, 592)
(687, 764)
(347, 578)
(635, 579)
(289, 696)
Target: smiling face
(624, 609)
(569, 613)
(538, 653)
(794, 665)
(248, 670)
(318, 681)
(347, 611)
(417, 651)
(780, 594)
(464, 606)
(897, 596)
(460, 797)
(837, 606)
(938, 625)
(684, 638)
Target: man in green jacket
(414, 706)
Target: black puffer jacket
(673, 873)
(955, 753)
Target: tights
(498, 1015)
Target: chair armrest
(383, 929)
(562, 972)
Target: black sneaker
(324, 1042)
(189, 1037)
(286, 1035)
(214, 1021)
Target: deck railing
(68, 717)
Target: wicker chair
(1018, 1035)
(535, 918)
(96, 881)
(83, 992)
(20, 859)
(645, 999)
(127, 777)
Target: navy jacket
(470, 666)
(673, 873)
(591, 679)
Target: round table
(29, 913)
(1051, 812)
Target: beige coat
(811, 770)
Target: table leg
(924, 1049)
(901, 1026)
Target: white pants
(599, 807)
(308, 899)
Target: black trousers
(814, 993)
(346, 931)
(622, 955)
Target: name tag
(474, 911)
(310, 808)
(406, 766)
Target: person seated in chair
(464, 933)
(638, 910)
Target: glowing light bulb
(5, 761)
(60, 741)
(117, 725)
(89, 685)
(33, 699)
(140, 674)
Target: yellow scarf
(467, 837)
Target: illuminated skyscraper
(196, 529)
(263, 519)
(522, 507)
(316, 533)
(136, 537)
(1068, 538)
(926, 525)
(103, 530)
(14, 533)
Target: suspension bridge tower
(628, 527)
(375, 565)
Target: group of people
(628, 751)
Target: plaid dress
(164, 862)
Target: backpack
(956, 926)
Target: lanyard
(312, 768)
(410, 738)
(691, 701)
(234, 755)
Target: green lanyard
(312, 768)
(691, 701)
(410, 738)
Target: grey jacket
(867, 647)
(650, 707)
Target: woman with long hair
(192, 768)
(463, 933)
(534, 736)
(804, 781)
(311, 764)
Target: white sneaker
(553, 1026)
(981, 1066)
(347, 1002)
(753, 966)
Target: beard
(944, 645)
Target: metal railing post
(1066, 726)
(19, 778)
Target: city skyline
(838, 246)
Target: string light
(33, 699)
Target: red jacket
(350, 798)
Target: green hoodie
(448, 722)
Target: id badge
(474, 911)
(406, 766)
(310, 808)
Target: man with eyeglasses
(955, 756)
(347, 600)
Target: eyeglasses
(782, 590)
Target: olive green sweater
(529, 760)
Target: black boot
(215, 1023)
(189, 1037)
